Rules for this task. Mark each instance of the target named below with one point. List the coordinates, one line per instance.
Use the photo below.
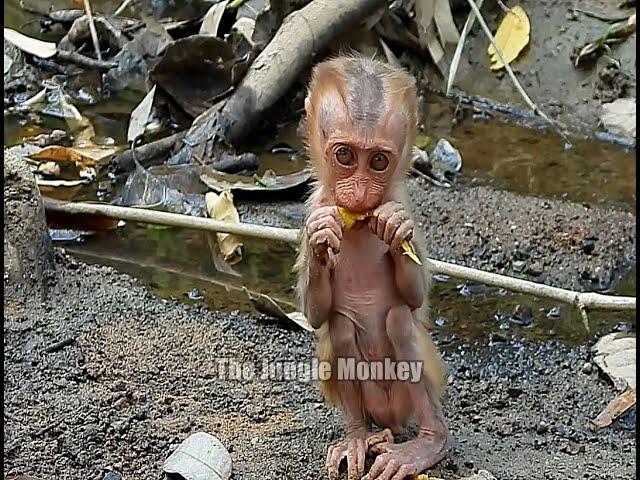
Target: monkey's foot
(354, 448)
(399, 460)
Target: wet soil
(142, 372)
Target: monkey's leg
(359, 439)
(397, 461)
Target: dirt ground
(141, 375)
(545, 68)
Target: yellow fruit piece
(424, 476)
(350, 218)
(512, 36)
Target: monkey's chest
(364, 276)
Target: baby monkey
(361, 292)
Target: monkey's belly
(364, 290)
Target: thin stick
(468, 25)
(84, 61)
(172, 219)
(122, 7)
(581, 300)
(515, 81)
(92, 29)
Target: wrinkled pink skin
(361, 283)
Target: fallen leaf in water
(350, 218)
(140, 116)
(30, 45)
(200, 456)
(615, 354)
(268, 306)
(221, 207)
(615, 408)
(83, 156)
(220, 181)
(268, 180)
(512, 36)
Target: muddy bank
(545, 68)
(142, 376)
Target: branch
(515, 81)
(468, 25)
(583, 301)
(92, 29)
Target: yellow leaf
(512, 36)
(421, 141)
(424, 476)
(221, 207)
(350, 218)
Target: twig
(468, 25)
(84, 61)
(152, 153)
(60, 345)
(585, 301)
(512, 75)
(92, 29)
(123, 6)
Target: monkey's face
(361, 175)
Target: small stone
(112, 476)
(588, 246)
(519, 265)
(587, 368)
(440, 321)
(535, 269)
(541, 427)
(514, 392)
(554, 313)
(194, 294)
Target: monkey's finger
(361, 455)
(390, 207)
(333, 463)
(381, 447)
(388, 472)
(404, 232)
(405, 471)
(328, 211)
(352, 460)
(325, 222)
(393, 223)
(328, 237)
(378, 467)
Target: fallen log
(301, 36)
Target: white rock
(619, 117)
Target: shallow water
(505, 155)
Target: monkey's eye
(379, 162)
(345, 156)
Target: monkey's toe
(398, 461)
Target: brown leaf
(84, 156)
(615, 408)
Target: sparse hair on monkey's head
(359, 92)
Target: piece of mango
(350, 218)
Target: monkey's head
(361, 120)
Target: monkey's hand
(392, 224)
(324, 228)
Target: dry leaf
(615, 354)
(512, 36)
(350, 218)
(424, 13)
(140, 116)
(211, 20)
(30, 45)
(265, 304)
(83, 156)
(615, 408)
(221, 207)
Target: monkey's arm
(318, 298)
(409, 279)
